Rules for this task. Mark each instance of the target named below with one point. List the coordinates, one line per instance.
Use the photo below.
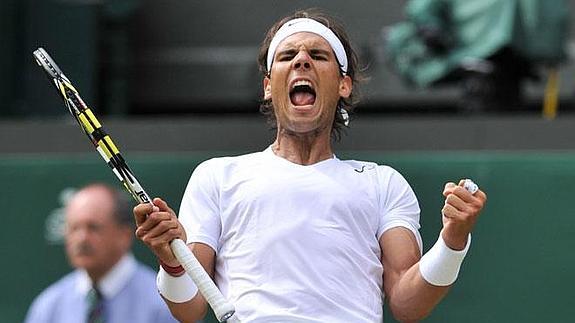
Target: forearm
(413, 298)
(181, 295)
(414, 286)
(190, 311)
(424, 284)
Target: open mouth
(302, 93)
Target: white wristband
(176, 289)
(440, 265)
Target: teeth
(302, 82)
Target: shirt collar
(270, 152)
(113, 281)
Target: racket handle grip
(221, 307)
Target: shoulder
(386, 180)
(50, 297)
(222, 167)
(140, 290)
(231, 161)
(58, 288)
(141, 296)
(383, 172)
(144, 277)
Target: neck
(96, 277)
(302, 149)
(98, 273)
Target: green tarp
(474, 29)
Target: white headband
(308, 25)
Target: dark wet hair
(266, 106)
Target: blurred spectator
(108, 285)
(488, 47)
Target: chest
(306, 208)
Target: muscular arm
(156, 227)
(409, 296)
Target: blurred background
(482, 89)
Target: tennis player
(293, 233)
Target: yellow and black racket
(110, 153)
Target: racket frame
(103, 143)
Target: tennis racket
(110, 153)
